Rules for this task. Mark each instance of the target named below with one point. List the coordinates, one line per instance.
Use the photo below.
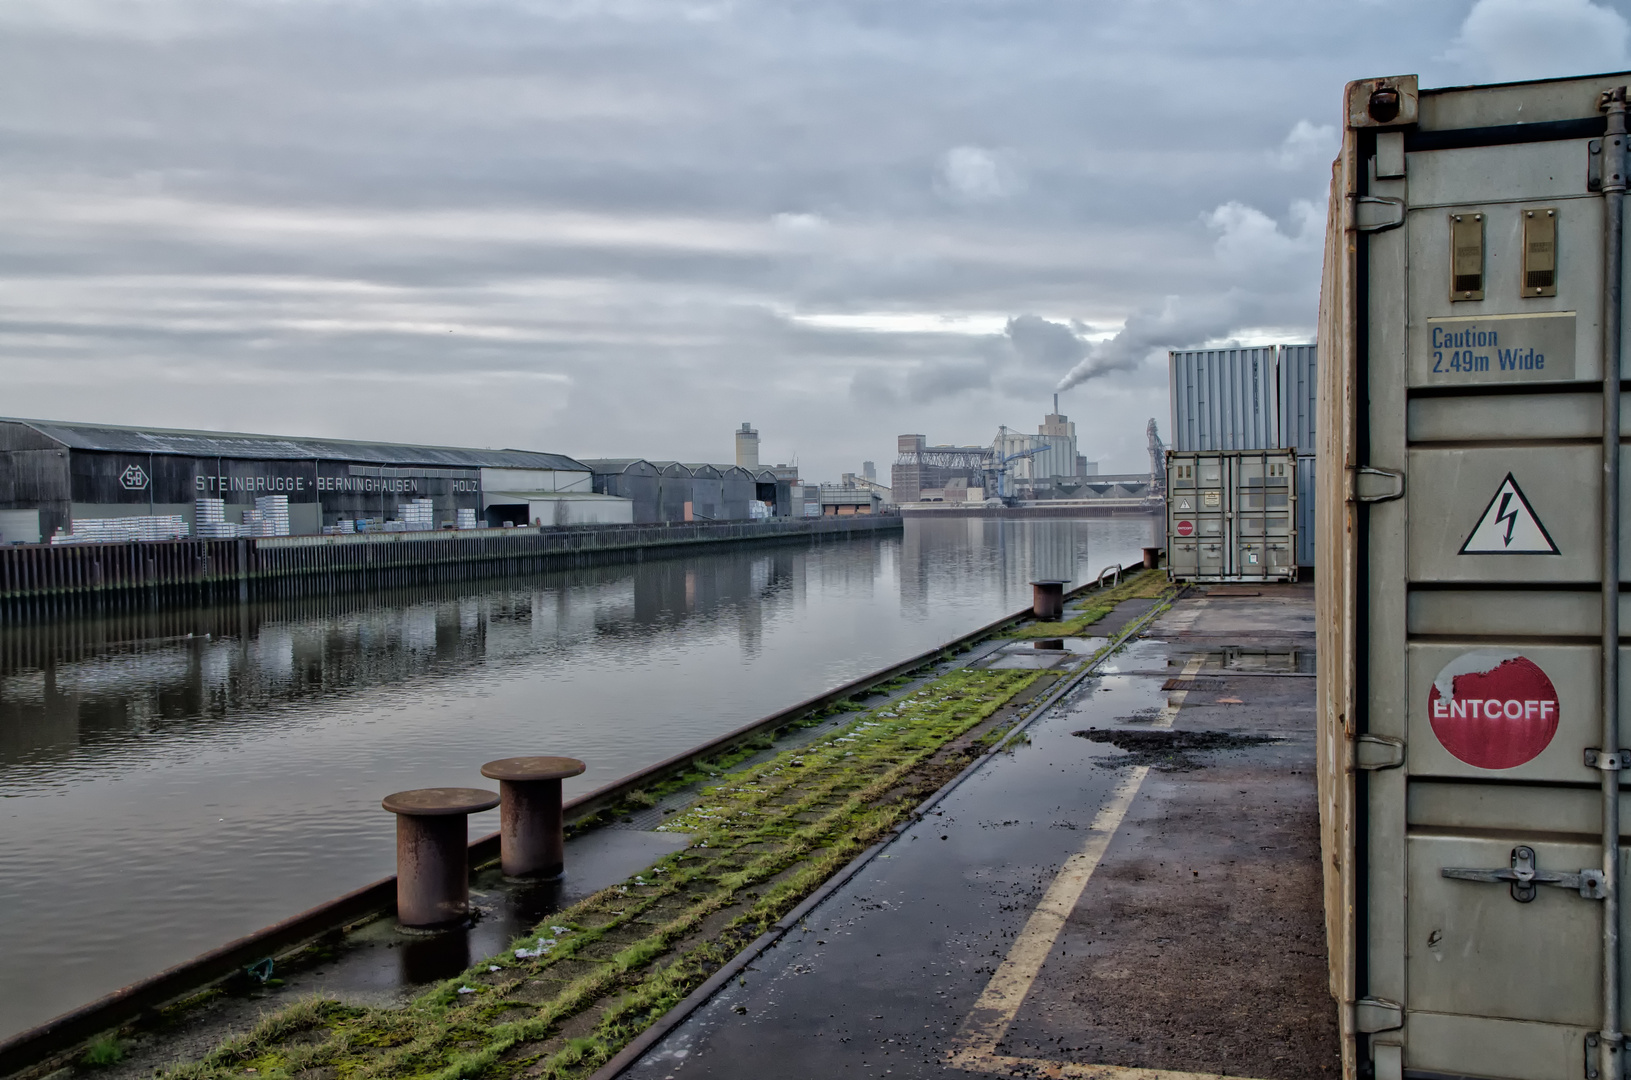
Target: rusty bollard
(530, 838)
(432, 852)
(1048, 600)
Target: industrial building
(747, 447)
(1016, 464)
(921, 467)
(676, 491)
(54, 473)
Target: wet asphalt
(879, 977)
(1196, 946)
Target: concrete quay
(276, 566)
(1132, 892)
(1108, 870)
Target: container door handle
(1524, 876)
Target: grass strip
(1143, 585)
(565, 998)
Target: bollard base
(532, 841)
(433, 853)
(1048, 600)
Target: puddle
(1029, 659)
(1168, 751)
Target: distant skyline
(621, 228)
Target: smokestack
(1056, 404)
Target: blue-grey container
(1299, 397)
(1226, 399)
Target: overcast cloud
(622, 228)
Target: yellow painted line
(1036, 1067)
(975, 1046)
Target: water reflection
(177, 778)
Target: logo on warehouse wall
(133, 479)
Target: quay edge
(52, 1042)
(254, 567)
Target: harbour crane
(1001, 468)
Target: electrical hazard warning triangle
(1183, 504)
(1509, 526)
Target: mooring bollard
(531, 841)
(433, 852)
(1048, 599)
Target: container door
(1482, 948)
(1183, 500)
(1264, 519)
(1213, 517)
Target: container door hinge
(1377, 213)
(1376, 752)
(1377, 1014)
(1377, 485)
(1524, 876)
(1596, 759)
(1594, 1058)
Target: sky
(615, 228)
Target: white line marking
(975, 1046)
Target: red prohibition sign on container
(1493, 709)
(1185, 528)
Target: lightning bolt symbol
(1508, 514)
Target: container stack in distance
(1251, 398)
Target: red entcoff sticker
(1185, 528)
(1494, 710)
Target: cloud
(1045, 343)
(1275, 269)
(1250, 241)
(1306, 144)
(1508, 40)
(821, 216)
(934, 381)
(975, 175)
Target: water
(162, 794)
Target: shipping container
(1225, 399)
(1299, 396)
(1232, 516)
(1307, 517)
(1468, 582)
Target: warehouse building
(664, 491)
(634, 479)
(54, 473)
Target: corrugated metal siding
(1299, 396)
(229, 444)
(1225, 399)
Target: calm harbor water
(162, 793)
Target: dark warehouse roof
(231, 444)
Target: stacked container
(1248, 400)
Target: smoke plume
(1151, 332)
